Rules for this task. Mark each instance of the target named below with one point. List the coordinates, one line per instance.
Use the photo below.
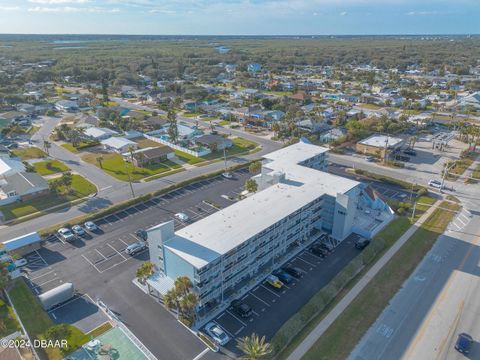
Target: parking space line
(256, 297)
(199, 356)
(239, 330)
(263, 286)
(233, 315)
(228, 332)
(124, 241)
(118, 252)
(49, 281)
(91, 263)
(40, 256)
(305, 261)
(101, 254)
(39, 276)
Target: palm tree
(188, 304)
(145, 271)
(276, 128)
(131, 150)
(251, 185)
(255, 167)
(46, 146)
(253, 347)
(100, 161)
(183, 285)
(170, 300)
(172, 128)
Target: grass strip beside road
(8, 320)
(50, 167)
(29, 153)
(343, 335)
(80, 188)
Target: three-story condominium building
(232, 250)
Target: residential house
(311, 125)
(66, 105)
(212, 142)
(150, 156)
(254, 67)
(99, 133)
(118, 144)
(332, 135)
(21, 186)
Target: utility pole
(413, 212)
(411, 191)
(129, 179)
(385, 151)
(225, 157)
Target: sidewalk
(328, 320)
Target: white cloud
(9, 8)
(343, 13)
(69, 9)
(56, 2)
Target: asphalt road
(98, 266)
(403, 324)
(112, 191)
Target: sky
(240, 17)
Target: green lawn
(8, 321)
(80, 146)
(50, 167)
(37, 321)
(114, 165)
(240, 146)
(29, 153)
(476, 172)
(70, 148)
(342, 336)
(34, 318)
(80, 188)
(461, 165)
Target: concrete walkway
(320, 329)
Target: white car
(227, 175)
(181, 216)
(20, 262)
(217, 333)
(91, 226)
(435, 183)
(78, 230)
(66, 234)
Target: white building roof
(99, 132)
(9, 166)
(379, 141)
(207, 239)
(117, 142)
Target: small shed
(24, 244)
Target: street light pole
(129, 179)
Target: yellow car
(273, 281)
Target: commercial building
(376, 145)
(232, 250)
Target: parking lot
(272, 307)
(100, 269)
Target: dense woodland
(120, 59)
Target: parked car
(410, 152)
(326, 247)
(242, 309)
(66, 234)
(142, 234)
(464, 343)
(227, 175)
(20, 262)
(435, 183)
(318, 251)
(283, 276)
(217, 333)
(181, 216)
(362, 243)
(294, 271)
(90, 226)
(274, 282)
(78, 230)
(135, 248)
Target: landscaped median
(346, 331)
(128, 203)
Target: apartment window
(342, 212)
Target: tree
(253, 347)
(183, 285)
(276, 128)
(54, 185)
(145, 271)
(100, 161)
(187, 305)
(46, 146)
(172, 126)
(67, 179)
(255, 167)
(171, 300)
(251, 185)
(131, 150)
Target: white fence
(177, 147)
